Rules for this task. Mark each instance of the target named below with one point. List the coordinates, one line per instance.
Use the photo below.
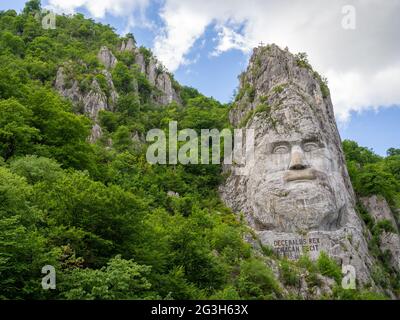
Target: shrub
(328, 267)
(256, 281)
(384, 226)
(302, 60)
(289, 274)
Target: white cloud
(362, 65)
(182, 28)
(354, 91)
(230, 39)
(99, 8)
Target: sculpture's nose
(297, 161)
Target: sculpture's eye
(281, 149)
(310, 146)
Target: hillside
(77, 193)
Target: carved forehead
(295, 124)
(293, 138)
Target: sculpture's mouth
(300, 175)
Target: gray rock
(107, 58)
(95, 101)
(391, 242)
(140, 61)
(128, 45)
(164, 85)
(96, 133)
(72, 93)
(296, 194)
(113, 94)
(151, 71)
(378, 207)
(92, 101)
(138, 137)
(161, 80)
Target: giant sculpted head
(295, 191)
(297, 181)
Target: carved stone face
(296, 184)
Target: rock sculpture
(297, 195)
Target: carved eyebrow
(279, 143)
(314, 139)
(311, 138)
(272, 145)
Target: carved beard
(299, 206)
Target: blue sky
(209, 50)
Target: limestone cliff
(389, 240)
(296, 193)
(155, 73)
(93, 99)
(89, 101)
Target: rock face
(95, 134)
(94, 99)
(379, 209)
(296, 193)
(91, 101)
(155, 73)
(72, 92)
(107, 58)
(128, 45)
(389, 241)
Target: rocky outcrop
(107, 58)
(379, 209)
(295, 191)
(164, 84)
(90, 101)
(94, 101)
(140, 61)
(128, 45)
(155, 74)
(390, 242)
(71, 92)
(95, 134)
(113, 94)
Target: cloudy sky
(207, 43)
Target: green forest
(103, 216)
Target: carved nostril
(297, 161)
(298, 167)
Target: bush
(36, 169)
(289, 274)
(109, 120)
(384, 226)
(256, 281)
(120, 279)
(328, 267)
(123, 78)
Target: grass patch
(289, 274)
